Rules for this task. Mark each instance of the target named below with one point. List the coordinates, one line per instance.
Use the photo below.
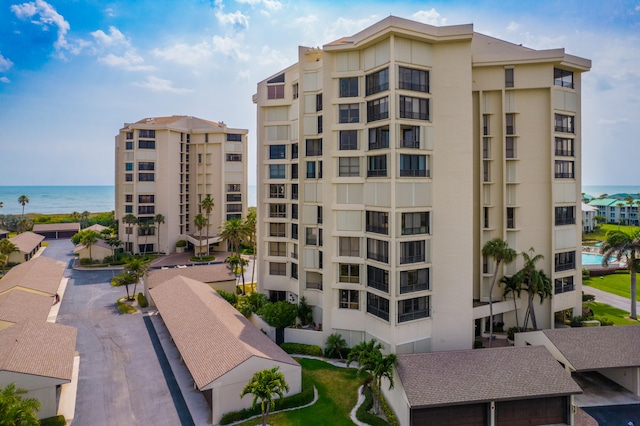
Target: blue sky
(72, 72)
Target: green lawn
(600, 234)
(617, 284)
(618, 316)
(337, 395)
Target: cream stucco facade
(167, 166)
(388, 158)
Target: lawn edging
(315, 399)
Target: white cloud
(272, 5)
(185, 54)
(110, 12)
(244, 75)
(513, 26)
(237, 19)
(115, 37)
(157, 84)
(5, 63)
(273, 58)
(47, 16)
(130, 61)
(4, 80)
(431, 17)
(306, 20)
(229, 47)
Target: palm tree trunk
(532, 312)
(633, 313)
(207, 236)
(515, 310)
(493, 283)
(158, 248)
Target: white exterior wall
(41, 388)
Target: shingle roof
(17, 306)
(41, 274)
(100, 243)
(47, 227)
(212, 336)
(203, 273)
(26, 241)
(96, 227)
(591, 348)
(38, 348)
(481, 375)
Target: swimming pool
(593, 259)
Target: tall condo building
(387, 159)
(167, 166)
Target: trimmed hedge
(363, 414)
(54, 421)
(386, 409)
(298, 400)
(301, 349)
(142, 301)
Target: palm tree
(137, 268)
(619, 244)
(235, 232)
(498, 250)
(370, 360)
(23, 199)
(514, 287)
(6, 248)
(1, 204)
(335, 344)
(264, 385)
(123, 279)
(251, 226)
(75, 216)
(85, 218)
(158, 220)
(144, 228)
(200, 222)
(207, 205)
(16, 410)
(536, 281)
(88, 239)
(129, 220)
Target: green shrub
(202, 258)
(181, 243)
(604, 321)
(229, 297)
(586, 274)
(279, 314)
(244, 306)
(477, 344)
(54, 421)
(125, 308)
(301, 349)
(363, 414)
(386, 409)
(142, 301)
(511, 331)
(588, 297)
(85, 261)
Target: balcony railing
(412, 259)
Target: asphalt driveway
(121, 381)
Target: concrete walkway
(610, 299)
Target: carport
(500, 386)
(56, 230)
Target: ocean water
(67, 199)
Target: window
(294, 150)
(277, 268)
(311, 236)
(564, 169)
(128, 145)
(349, 299)
(319, 215)
(378, 109)
(485, 124)
(510, 147)
(145, 165)
(508, 77)
(142, 133)
(349, 113)
(486, 148)
(277, 210)
(378, 250)
(416, 108)
(319, 124)
(348, 140)
(277, 249)
(145, 199)
(486, 171)
(564, 147)
(311, 169)
(294, 270)
(413, 165)
(294, 231)
(128, 177)
(146, 144)
(412, 79)
(377, 166)
(564, 123)
(199, 158)
(129, 135)
(319, 102)
(234, 208)
(277, 229)
(565, 215)
(486, 217)
(378, 306)
(234, 198)
(377, 222)
(348, 166)
(377, 81)
(414, 280)
(563, 78)
(378, 278)
(234, 137)
(349, 246)
(128, 209)
(276, 190)
(314, 281)
(349, 87)
(277, 79)
(563, 285)
(413, 309)
(275, 91)
(565, 261)
(128, 166)
(146, 177)
(206, 137)
(349, 273)
(379, 138)
(415, 223)
(294, 171)
(410, 137)
(128, 198)
(313, 147)
(294, 211)
(233, 187)
(277, 171)
(511, 218)
(510, 120)
(146, 210)
(277, 152)
(294, 90)
(412, 252)
(294, 191)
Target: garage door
(542, 411)
(457, 415)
